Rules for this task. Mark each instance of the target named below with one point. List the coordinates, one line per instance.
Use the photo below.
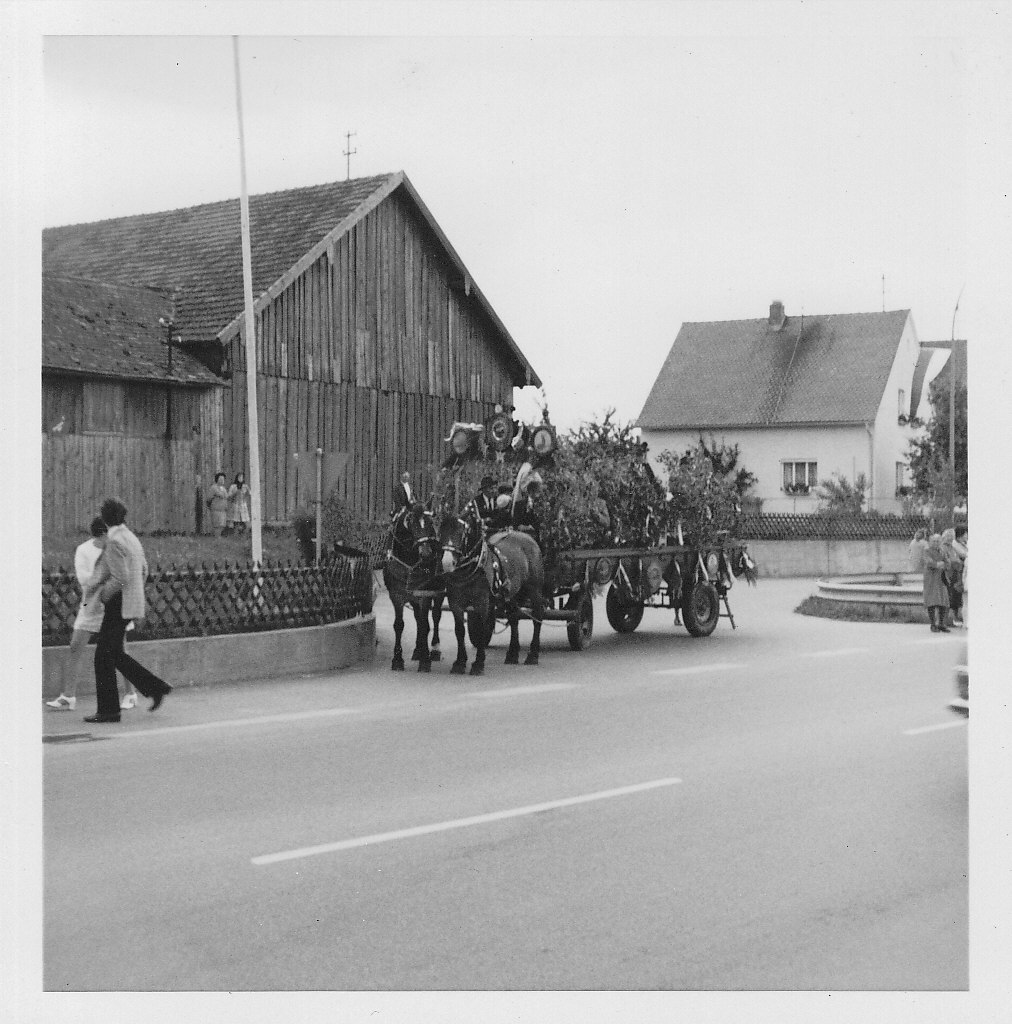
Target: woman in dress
(954, 554)
(217, 502)
(936, 597)
(238, 503)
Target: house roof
(958, 349)
(744, 373)
(197, 250)
(112, 330)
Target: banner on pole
(335, 466)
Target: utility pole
(952, 410)
(348, 152)
(252, 420)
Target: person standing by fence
(88, 620)
(918, 546)
(238, 503)
(123, 577)
(936, 598)
(954, 555)
(217, 502)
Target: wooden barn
(372, 338)
(118, 417)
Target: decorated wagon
(601, 520)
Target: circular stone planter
(889, 596)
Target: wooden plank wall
(153, 477)
(374, 350)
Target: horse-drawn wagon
(692, 582)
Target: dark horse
(411, 566)
(471, 568)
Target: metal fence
(227, 599)
(787, 526)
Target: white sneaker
(129, 701)
(62, 703)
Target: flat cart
(693, 582)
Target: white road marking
(837, 652)
(231, 723)
(516, 691)
(718, 666)
(955, 724)
(444, 826)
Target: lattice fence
(786, 526)
(227, 599)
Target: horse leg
(535, 648)
(478, 623)
(513, 651)
(397, 665)
(422, 636)
(460, 665)
(437, 611)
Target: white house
(803, 397)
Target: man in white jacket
(122, 593)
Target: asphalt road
(780, 807)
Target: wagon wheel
(580, 630)
(624, 613)
(701, 608)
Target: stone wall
(234, 657)
(779, 559)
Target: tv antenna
(348, 152)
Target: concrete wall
(778, 559)
(200, 661)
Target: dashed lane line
(519, 691)
(955, 724)
(445, 826)
(718, 666)
(235, 723)
(835, 653)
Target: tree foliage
(838, 496)
(929, 453)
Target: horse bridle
(474, 554)
(417, 542)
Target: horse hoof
(424, 666)
(435, 656)
(456, 669)
(477, 670)
(512, 659)
(531, 659)
(397, 665)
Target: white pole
(251, 343)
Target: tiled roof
(958, 349)
(112, 330)
(815, 369)
(198, 249)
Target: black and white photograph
(504, 508)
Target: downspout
(871, 466)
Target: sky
(602, 181)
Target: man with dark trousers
(122, 593)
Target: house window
(902, 403)
(902, 479)
(800, 477)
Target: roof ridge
(220, 202)
(796, 316)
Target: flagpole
(252, 418)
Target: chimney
(777, 317)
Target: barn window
(103, 408)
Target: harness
(475, 558)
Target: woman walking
(936, 597)
(88, 569)
(217, 502)
(238, 503)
